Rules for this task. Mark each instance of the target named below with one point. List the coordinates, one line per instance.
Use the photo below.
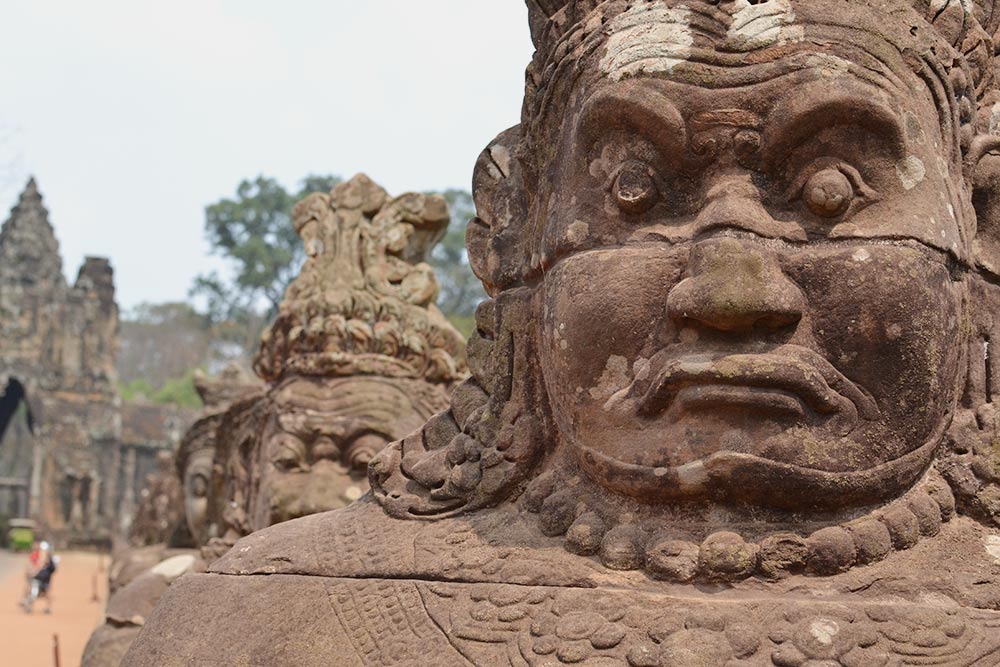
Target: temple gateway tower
(71, 457)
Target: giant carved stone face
(320, 436)
(748, 291)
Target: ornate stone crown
(363, 303)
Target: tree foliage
(174, 391)
(161, 345)
(179, 391)
(136, 390)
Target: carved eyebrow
(643, 110)
(808, 111)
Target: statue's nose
(320, 491)
(735, 286)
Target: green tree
(254, 232)
(161, 345)
(174, 391)
(136, 390)
(179, 391)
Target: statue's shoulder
(358, 540)
(348, 587)
(357, 587)
(499, 545)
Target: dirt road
(27, 638)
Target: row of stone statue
(732, 398)
(358, 357)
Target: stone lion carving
(732, 393)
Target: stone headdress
(363, 303)
(490, 442)
(559, 28)
(949, 44)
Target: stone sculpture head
(357, 357)
(320, 435)
(194, 461)
(739, 257)
(158, 514)
(194, 465)
(737, 214)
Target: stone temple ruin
(72, 457)
(733, 398)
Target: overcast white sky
(134, 115)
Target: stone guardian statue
(733, 395)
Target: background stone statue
(138, 576)
(160, 509)
(358, 356)
(732, 396)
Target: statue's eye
(364, 449)
(325, 449)
(830, 188)
(634, 188)
(828, 193)
(289, 452)
(286, 463)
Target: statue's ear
(986, 201)
(496, 238)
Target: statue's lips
(785, 379)
(765, 400)
(780, 380)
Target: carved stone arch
(19, 454)
(14, 395)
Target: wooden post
(55, 650)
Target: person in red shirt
(42, 566)
(34, 563)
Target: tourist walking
(41, 580)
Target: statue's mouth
(789, 380)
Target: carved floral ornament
(364, 301)
(742, 262)
(559, 628)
